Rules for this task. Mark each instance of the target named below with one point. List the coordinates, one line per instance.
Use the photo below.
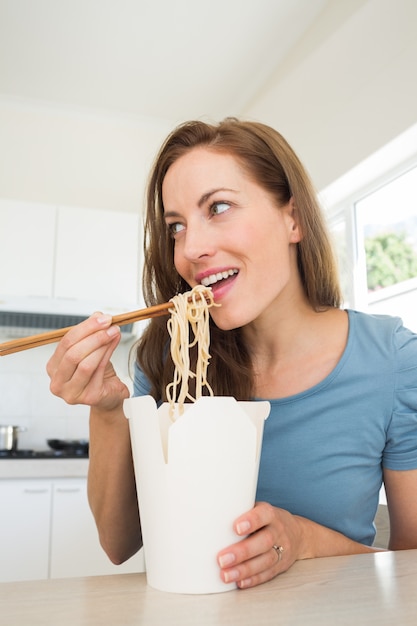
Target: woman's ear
(295, 230)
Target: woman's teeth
(214, 278)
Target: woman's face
(230, 235)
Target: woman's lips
(222, 286)
(213, 279)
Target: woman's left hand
(271, 545)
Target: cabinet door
(24, 529)
(75, 548)
(27, 248)
(97, 257)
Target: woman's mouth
(213, 279)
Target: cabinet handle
(40, 490)
(68, 489)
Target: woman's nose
(198, 242)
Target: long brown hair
(270, 161)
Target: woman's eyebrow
(204, 198)
(170, 214)
(208, 194)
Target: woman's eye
(175, 228)
(219, 207)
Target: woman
(231, 206)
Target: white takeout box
(194, 477)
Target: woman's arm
(81, 373)
(401, 492)
(111, 485)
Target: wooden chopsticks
(25, 343)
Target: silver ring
(279, 550)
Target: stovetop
(43, 454)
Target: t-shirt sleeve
(401, 447)
(141, 385)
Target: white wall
(75, 157)
(348, 88)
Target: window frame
(339, 201)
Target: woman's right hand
(80, 369)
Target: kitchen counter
(362, 590)
(43, 468)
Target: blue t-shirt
(324, 449)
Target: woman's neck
(292, 353)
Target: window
(387, 225)
(375, 236)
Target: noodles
(190, 312)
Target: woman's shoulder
(386, 332)
(372, 320)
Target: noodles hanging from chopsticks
(190, 313)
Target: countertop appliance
(43, 454)
(25, 316)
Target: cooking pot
(9, 437)
(69, 445)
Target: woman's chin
(225, 323)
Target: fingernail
(104, 319)
(113, 331)
(242, 528)
(231, 576)
(226, 559)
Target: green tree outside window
(390, 259)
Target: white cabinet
(70, 253)
(75, 548)
(27, 249)
(24, 529)
(97, 256)
(48, 530)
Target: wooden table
(357, 590)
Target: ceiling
(170, 59)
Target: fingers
(81, 363)
(84, 330)
(260, 555)
(255, 571)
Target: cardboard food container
(194, 477)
